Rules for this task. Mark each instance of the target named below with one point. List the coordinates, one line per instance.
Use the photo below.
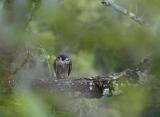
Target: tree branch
(94, 86)
(124, 11)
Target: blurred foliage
(98, 39)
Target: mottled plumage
(62, 66)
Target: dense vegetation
(99, 40)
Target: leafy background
(98, 39)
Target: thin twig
(124, 11)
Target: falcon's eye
(58, 58)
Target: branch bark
(124, 11)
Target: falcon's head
(62, 66)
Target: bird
(62, 66)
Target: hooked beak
(61, 62)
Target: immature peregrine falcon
(62, 66)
